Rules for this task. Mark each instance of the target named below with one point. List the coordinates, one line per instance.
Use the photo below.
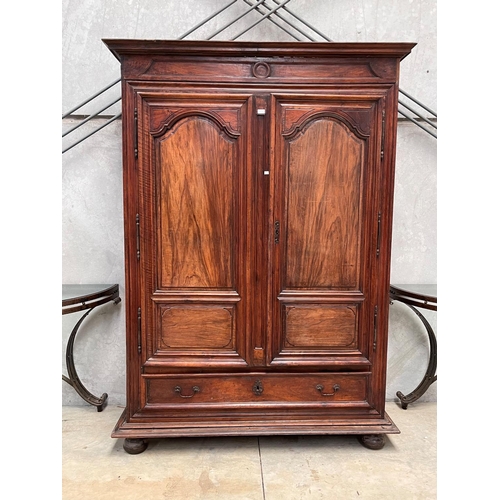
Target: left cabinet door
(192, 166)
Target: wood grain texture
(198, 327)
(230, 389)
(196, 164)
(191, 179)
(323, 207)
(320, 327)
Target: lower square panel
(196, 327)
(315, 326)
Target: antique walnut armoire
(258, 193)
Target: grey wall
(92, 232)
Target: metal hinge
(276, 232)
(138, 236)
(379, 224)
(139, 333)
(136, 135)
(383, 136)
(375, 326)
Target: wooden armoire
(258, 193)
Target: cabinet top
(127, 47)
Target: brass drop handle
(320, 388)
(178, 390)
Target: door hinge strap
(136, 135)
(383, 136)
(379, 224)
(276, 232)
(138, 236)
(139, 328)
(375, 326)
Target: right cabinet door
(325, 163)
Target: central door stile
(260, 176)
(277, 224)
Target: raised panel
(320, 327)
(323, 211)
(198, 327)
(196, 164)
(192, 155)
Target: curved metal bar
(86, 305)
(416, 303)
(418, 299)
(430, 375)
(109, 293)
(73, 378)
(77, 298)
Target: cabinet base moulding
(290, 426)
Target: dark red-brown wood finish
(258, 186)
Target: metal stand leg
(430, 375)
(73, 379)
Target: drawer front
(256, 389)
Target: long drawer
(256, 389)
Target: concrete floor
(95, 466)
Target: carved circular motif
(261, 70)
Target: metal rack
(279, 14)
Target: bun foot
(135, 446)
(373, 441)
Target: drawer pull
(178, 390)
(320, 388)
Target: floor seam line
(261, 471)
